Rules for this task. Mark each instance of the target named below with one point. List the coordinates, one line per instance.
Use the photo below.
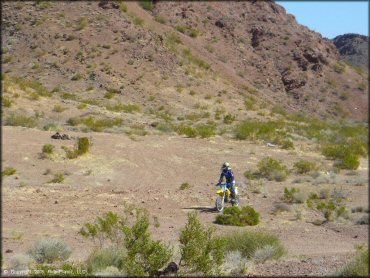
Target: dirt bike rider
(229, 176)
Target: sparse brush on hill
(235, 216)
(21, 120)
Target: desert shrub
(82, 23)
(184, 186)
(147, 5)
(206, 130)
(123, 7)
(82, 147)
(263, 254)
(201, 251)
(324, 193)
(288, 194)
(250, 103)
(287, 145)
(20, 262)
(363, 220)
(249, 242)
(229, 119)
(127, 108)
(304, 166)
(48, 149)
(235, 263)
(331, 208)
(272, 169)
(142, 255)
(58, 108)
(100, 259)
(160, 19)
(20, 120)
(164, 127)
(236, 216)
(346, 156)
(253, 130)
(8, 171)
(6, 102)
(49, 250)
(299, 197)
(190, 58)
(58, 178)
(281, 207)
(339, 67)
(250, 175)
(95, 124)
(358, 266)
(340, 193)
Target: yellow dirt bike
(224, 196)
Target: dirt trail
(149, 173)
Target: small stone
(9, 251)
(55, 202)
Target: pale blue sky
(331, 18)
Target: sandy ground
(148, 172)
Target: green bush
(249, 242)
(287, 145)
(6, 102)
(160, 19)
(288, 194)
(201, 252)
(49, 250)
(272, 169)
(48, 149)
(83, 147)
(8, 171)
(100, 259)
(147, 5)
(253, 130)
(358, 266)
(58, 178)
(95, 124)
(236, 216)
(82, 23)
(186, 130)
(229, 119)
(346, 156)
(206, 130)
(142, 255)
(184, 186)
(127, 108)
(304, 166)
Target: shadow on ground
(203, 209)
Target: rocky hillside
(354, 48)
(195, 61)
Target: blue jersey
(228, 174)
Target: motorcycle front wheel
(220, 204)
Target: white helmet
(225, 165)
